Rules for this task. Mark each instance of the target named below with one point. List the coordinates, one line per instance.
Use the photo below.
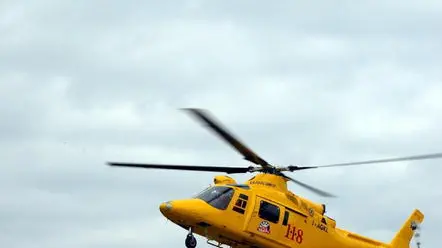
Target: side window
(286, 218)
(268, 211)
(241, 204)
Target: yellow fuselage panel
(261, 213)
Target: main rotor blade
(409, 158)
(216, 126)
(228, 170)
(311, 188)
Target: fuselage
(260, 213)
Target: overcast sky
(85, 82)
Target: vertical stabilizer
(405, 234)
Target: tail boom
(403, 237)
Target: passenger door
(265, 219)
(293, 226)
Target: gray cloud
(83, 83)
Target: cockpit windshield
(218, 196)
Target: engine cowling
(308, 205)
(222, 180)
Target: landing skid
(218, 244)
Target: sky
(86, 82)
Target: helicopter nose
(165, 207)
(180, 210)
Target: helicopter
(262, 212)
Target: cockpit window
(218, 196)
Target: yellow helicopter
(262, 212)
